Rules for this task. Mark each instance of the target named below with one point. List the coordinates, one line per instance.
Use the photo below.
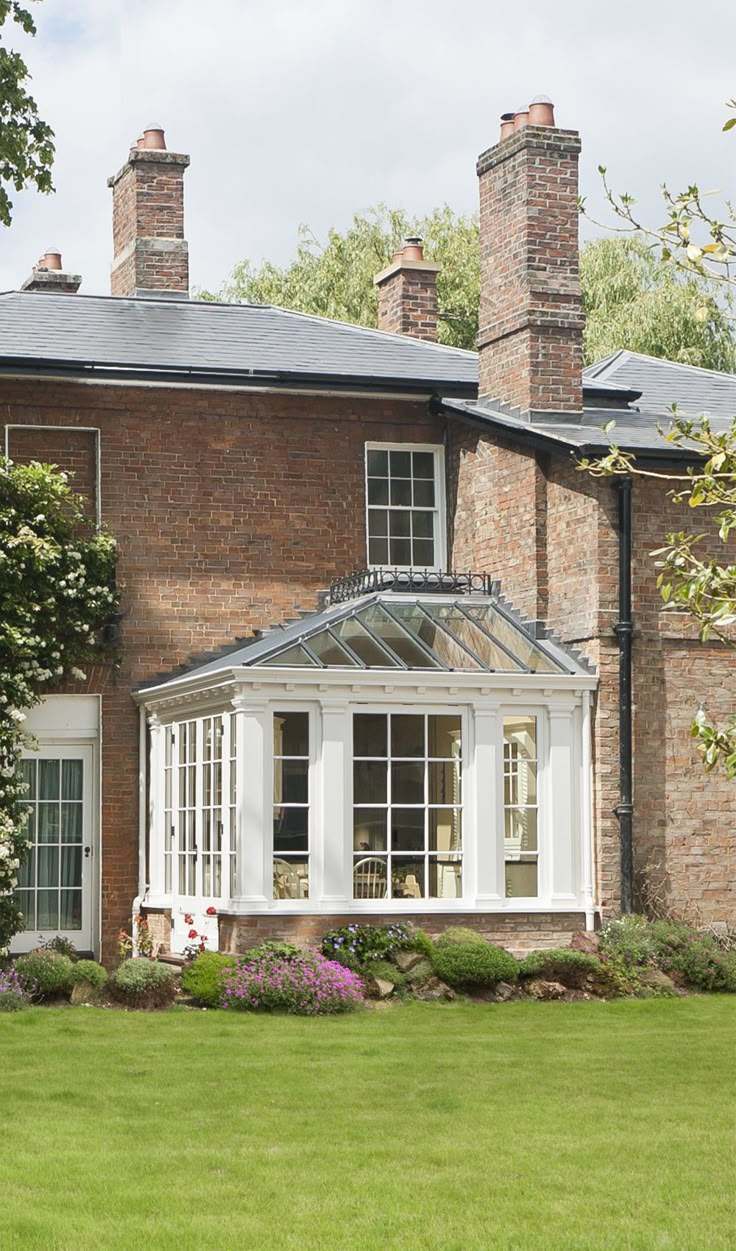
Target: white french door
(199, 823)
(55, 881)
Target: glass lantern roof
(383, 630)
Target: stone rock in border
(433, 990)
(539, 989)
(379, 988)
(504, 991)
(659, 981)
(407, 960)
(422, 972)
(84, 992)
(586, 941)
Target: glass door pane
(51, 880)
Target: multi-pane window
(212, 828)
(404, 514)
(407, 806)
(187, 812)
(169, 814)
(291, 805)
(199, 807)
(521, 842)
(50, 880)
(232, 801)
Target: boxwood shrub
(559, 964)
(89, 971)
(202, 979)
(141, 983)
(474, 964)
(45, 974)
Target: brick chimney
(531, 321)
(407, 293)
(49, 276)
(151, 254)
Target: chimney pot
(413, 249)
(521, 117)
(153, 137)
(507, 125)
(51, 259)
(541, 111)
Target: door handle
(87, 853)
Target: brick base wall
(519, 932)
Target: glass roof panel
(330, 651)
(292, 656)
(486, 649)
(519, 643)
(398, 639)
(448, 651)
(359, 640)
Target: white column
(586, 814)
(562, 824)
(487, 806)
(156, 808)
(253, 811)
(335, 826)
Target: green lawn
(532, 1127)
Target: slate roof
(664, 383)
(633, 431)
(242, 344)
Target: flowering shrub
(56, 580)
(689, 956)
(13, 995)
(304, 984)
(357, 945)
(45, 974)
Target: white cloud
(297, 111)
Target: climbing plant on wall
(57, 589)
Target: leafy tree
(696, 245)
(634, 299)
(56, 589)
(335, 278)
(631, 299)
(26, 142)
(690, 577)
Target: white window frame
(440, 506)
(312, 853)
(423, 901)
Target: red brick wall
(231, 513)
(72, 451)
(530, 330)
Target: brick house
(275, 741)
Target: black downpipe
(623, 630)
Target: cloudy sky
(306, 110)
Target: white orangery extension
(403, 751)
